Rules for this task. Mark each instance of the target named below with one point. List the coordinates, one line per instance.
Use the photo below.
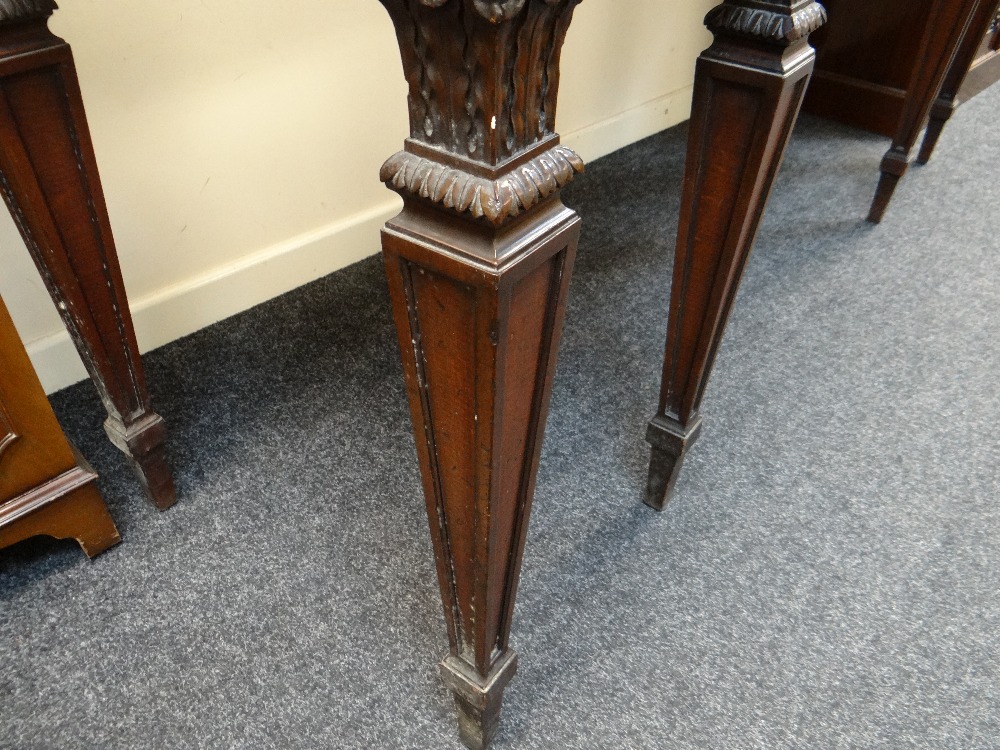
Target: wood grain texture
(479, 264)
(748, 91)
(45, 487)
(50, 182)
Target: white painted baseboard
(181, 309)
(632, 125)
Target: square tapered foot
(670, 441)
(478, 699)
(894, 166)
(144, 444)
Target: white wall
(240, 141)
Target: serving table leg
(49, 178)
(748, 89)
(479, 264)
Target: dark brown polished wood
(949, 20)
(867, 54)
(748, 89)
(50, 182)
(984, 19)
(479, 263)
(45, 488)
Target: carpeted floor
(828, 574)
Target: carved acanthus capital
(483, 76)
(493, 198)
(779, 23)
(20, 10)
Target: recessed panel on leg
(749, 87)
(478, 265)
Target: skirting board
(181, 309)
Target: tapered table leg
(947, 102)
(479, 263)
(946, 26)
(50, 182)
(748, 89)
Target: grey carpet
(827, 575)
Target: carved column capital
(782, 23)
(21, 10)
(483, 81)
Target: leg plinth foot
(894, 166)
(670, 442)
(477, 698)
(144, 444)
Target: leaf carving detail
(493, 200)
(494, 11)
(15, 10)
(769, 25)
(483, 75)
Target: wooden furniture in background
(949, 22)
(479, 263)
(866, 56)
(45, 487)
(50, 182)
(974, 54)
(881, 66)
(748, 89)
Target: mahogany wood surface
(949, 21)
(49, 178)
(866, 56)
(479, 263)
(748, 90)
(45, 488)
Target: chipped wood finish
(748, 90)
(50, 182)
(947, 26)
(45, 487)
(479, 263)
